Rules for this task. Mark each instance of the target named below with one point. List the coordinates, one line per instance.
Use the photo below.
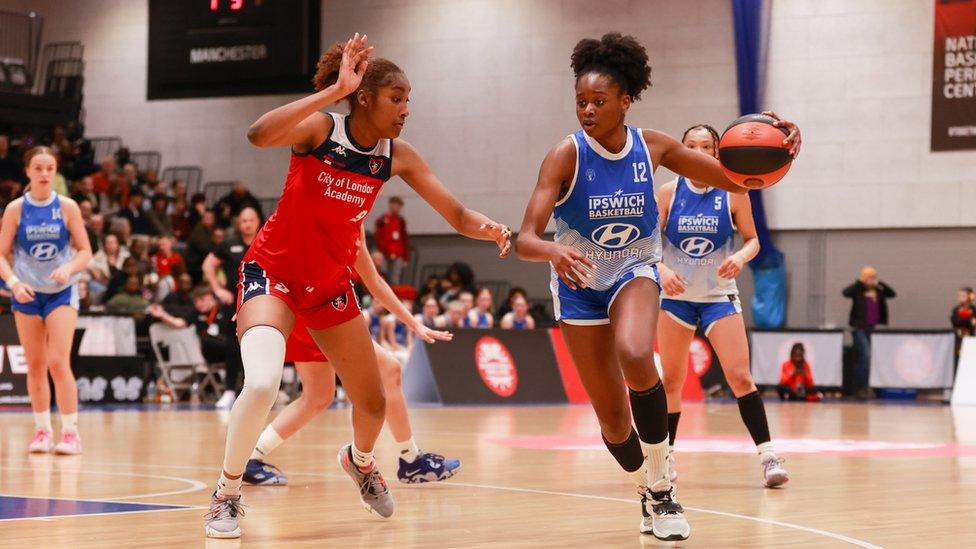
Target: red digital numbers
(235, 5)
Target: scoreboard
(214, 48)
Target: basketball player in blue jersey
(46, 236)
(598, 183)
(698, 279)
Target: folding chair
(178, 350)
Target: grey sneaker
(774, 474)
(666, 518)
(222, 518)
(373, 491)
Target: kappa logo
(697, 246)
(375, 165)
(339, 150)
(340, 303)
(253, 286)
(615, 235)
(282, 288)
(44, 251)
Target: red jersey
(391, 235)
(312, 238)
(792, 379)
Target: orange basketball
(752, 152)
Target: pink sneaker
(70, 444)
(42, 442)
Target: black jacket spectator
(858, 316)
(233, 202)
(136, 216)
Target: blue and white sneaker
(427, 467)
(260, 473)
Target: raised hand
(793, 139)
(355, 57)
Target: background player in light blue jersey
(46, 235)
(698, 279)
(598, 184)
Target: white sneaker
(226, 400)
(774, 474)
(42, 443)
(664, 518)
(672, 467)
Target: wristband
(11, 281)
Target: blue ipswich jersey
(609, 212)
(698, 238)
(42, 244)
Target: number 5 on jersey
(640, 172)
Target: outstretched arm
(555, 175)
(382, 292)
(295, 123)
(410, 166)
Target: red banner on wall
(954, 76)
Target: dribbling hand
(22, 292)
(354, 61)
(501, 234)
(793, 139)
(571, 266)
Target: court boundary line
(454, 483)
(195, 485)
(56, 517)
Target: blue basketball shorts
(589, 307)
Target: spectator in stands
(198, 207)
(139, 248)
(181, 297)
(228, 257)
(480, 316)
(963, 317)
(121, 228)
(796, 377)
(84, 295)
(135, 214)
(869, 309)
(180, 220)
(158, 218)
(123, 156)
(150, 178)
(130, 267)
(85, 206)
(506, 307)
(66, 151)
(453, 316)
(231, 204)
(391, 240)
(430, 312)
(519, 318)
(219, 237)
(84, 189)
(459, 278)
(11, 168)
(430, 288)
(200, 244)
(178, 191)
(212, 323)
(165, 258)
(97, 225)
(130, 300)
(106, 261)
(169, 282)
(104, 179)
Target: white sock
(363, 460)
(639, 477)
(658, 475)
(766, 451)
(263, 353)
(229, 486)
(69, 423)
(670, 449)
(408, 449)
(42, 420)
(270, 439)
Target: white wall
(857, 76)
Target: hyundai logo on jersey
(44, 251)
(615, 235)
(697, 246)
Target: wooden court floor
(864, 475)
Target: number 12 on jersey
(640, 172)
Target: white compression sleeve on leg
(263, 354)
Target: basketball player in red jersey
(300, 263)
